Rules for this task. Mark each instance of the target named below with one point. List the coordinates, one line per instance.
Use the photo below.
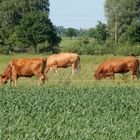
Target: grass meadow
(88, 64)
(70, 107)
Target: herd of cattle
(28, 67)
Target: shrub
(90, 46)
(4, 50)
(80, 46)
(128, 50)
(43, 47)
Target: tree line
(26, 25)
(123, 20)
(99, 32)
(123, 23)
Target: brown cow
(118, 65)
(24, 67)
(63, 60)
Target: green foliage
(69, 112)
(4, 50)
(99, 33)
(71, 32)
(133, 33)
(26, 23)
(43, 47)
(36, 28)
(92, 47)
(121, 15)
(60, 30)
(80, 46)
(128, 50)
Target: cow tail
(11, 65)
(138, 70)
(78, 64)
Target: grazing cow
(63, 60)
(118, 65)
(24, 67)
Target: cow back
(62, 59)
(29, 66)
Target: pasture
(88, 65)
(70, 107)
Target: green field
(70, 113)
(70, 107)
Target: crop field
(69, 113)
(70, 107)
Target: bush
(4, 50)
(80, 46)
(45, 47)
(110, 47)
(128, 50)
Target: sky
(77, 13)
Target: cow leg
(52, 68)
(46, 70)
(41, 76)
(111, 74)
(41, 79)
(133, 76)
(14, 76)
(76, 66)
(55, 70)
(73, 68)
(138, 75)
(14, 82)
(112, 77)
(133, 73)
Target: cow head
(98, 76)
(2, 79)
(95, 76)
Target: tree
(14, 16)
(60, 30)
(71, 32)
(133, 33)
(91, 32)
(35, 28)
(120, 15)
(101, 32)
